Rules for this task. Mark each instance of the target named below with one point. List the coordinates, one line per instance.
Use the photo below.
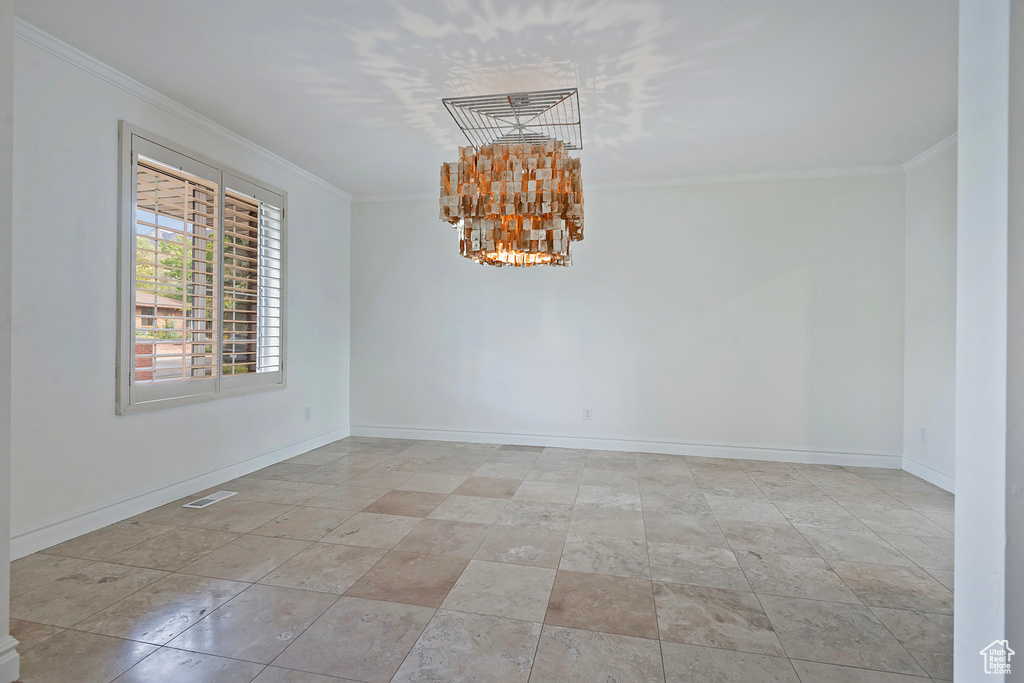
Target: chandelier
(515, 195)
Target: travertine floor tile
(766, 539)
(852, 546)
(908, 588)
(444, 537)
(696, 564)
(695, 664)
(821, 513)
(928, 637)
(432, 483)
(325, 567)
(362, 640)
(568, 655)
(833, 633)
(743, 510)
(699, 615)
(175, 549)
(274, 674)
(502, 590)
(601, 495)
(162, 610)
(372, 530)
(600, 554)
(671, 527)
(304, 523)
(814, 672)
(793, 576)
(101, 544)
(456, 646)
(550, 516)
(167, 664)
(346, 497)
(927, 552)
(488, 486)
(410, 578)
(598, 602)
(607, 521)
(479, 509)
(289, 493)
(247, 558)
(73, 597)
(547, 492)
(33, 571)
(406, 503)
(239, 517)
(522, 545)
(29, 634)
(257, 625)
(92, 658)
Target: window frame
(130, 397)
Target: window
(201, 281)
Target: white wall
(981, 333)
(72, 456)
(929, 362)
(8, 655)
(759, 319)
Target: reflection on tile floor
(380, 560)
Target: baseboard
(30, 539)
(932, 476)
(707, 450)
(9, 660)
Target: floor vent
(210, 499)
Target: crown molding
(396, 197)
(930, 153)
(760, 176)
(58, 48)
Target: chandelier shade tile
(516, 196)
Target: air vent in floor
(210, 499)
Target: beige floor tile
(679, 500)
(568, 654)
(162, 610)
(363, 640)
(29, 634)
(274, 674)
(852, 546)
(372, 530)
(290, 493)
(444, 537)
(608, 522)
(346, 497)
(406, 503)
(601, 495)
(684, 529)
(325, 567)
(615, 478)
(92, 658)
(380, 479)
(695, 664)
(550, 516)
(488, 487)
(814, 672)
(32, 571)
(477, 509)
(713, 617)
(304, 523)
(796, 577)
(928, 637)
(613, 461)
(174, 514)
(335, 473)
(833, 633)
(239, 517)
(318, 456)
(598, 602)
(898, 521)
(600, 554)
(696, 564)
(247, 558)
(456, 646)
(825, 514)
(167, 664)
(73, 597)
(908, 588)
(943, 577)
(175, 549)
(766, 539)
(927, 552)
(743, 510)
(522, 545)
(432, 483)
(282, 471)
(501, 470)
(410, 578)
(101, 544)
(547, 492)
(502, 590)
(257, 625)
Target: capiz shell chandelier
(515, 205)
(515, 195)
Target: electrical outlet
(308, 414)
(924, 436)
(588, 414)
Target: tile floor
(382, 560)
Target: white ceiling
(351, 90)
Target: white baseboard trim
(9, 660)
(707, 450)
(932, 476)
(30, 539)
